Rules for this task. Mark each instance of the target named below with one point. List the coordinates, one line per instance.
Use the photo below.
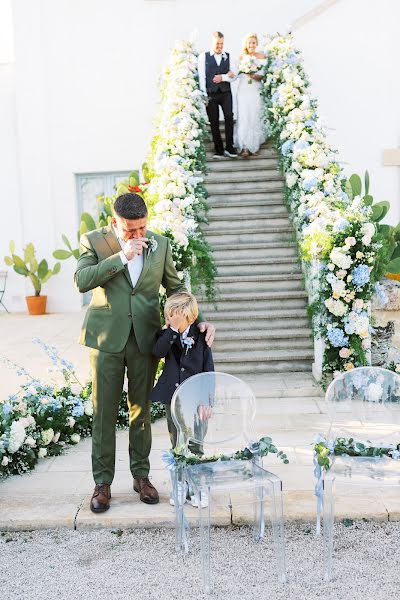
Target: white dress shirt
(201, 67)
(135, 265)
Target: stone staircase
(260, 313)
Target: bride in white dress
(251, 130)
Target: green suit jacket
(116, 305)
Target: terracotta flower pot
(395, 276)
(36, 304)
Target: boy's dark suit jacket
(179, 364)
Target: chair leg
(278, 530)
(178, 476)
(328, 511)
(259, 514)
(204, 523)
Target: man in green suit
(124, 264)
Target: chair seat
(360, 470)
(230, 475)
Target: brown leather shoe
(100, 501)
(147, 491)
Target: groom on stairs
(215, 76)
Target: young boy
(185, 351)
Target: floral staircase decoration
(340, 244)
(176, 166)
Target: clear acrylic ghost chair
(363, 404)
(214, 413)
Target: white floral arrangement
(333, 222)
(43, 419)
(176, 192)
(249, 65)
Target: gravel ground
(142, 564)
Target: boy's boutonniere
(151, 245)
(188, 342)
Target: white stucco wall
(83, 92)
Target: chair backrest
(215, 410)
(364, 403)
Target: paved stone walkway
(57, 492)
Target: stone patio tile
(128, 511)
(287, 406)
(44, 511)
(36, 484)
(391, 498)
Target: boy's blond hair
(182, 303)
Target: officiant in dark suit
(215, 76)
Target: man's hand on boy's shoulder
(209, 329)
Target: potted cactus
(38, 273)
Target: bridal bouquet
(249, 65)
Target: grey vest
(213, 69)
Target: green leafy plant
(388, 258)
(37, 271)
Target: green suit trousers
(108, 372)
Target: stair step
(239, 174)
(264, 152)
(245, 209)
(290, 365)
(248, 345)
(272, 319)
(264, 334)
(261, 249)
(246, 235)
(298, 359)
(261, 182)
(255, 191)
(263, 163)
(260, 302)
(264, 266)
(252, 220)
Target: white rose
(47, 436)
(42, 452)
(70, 422)
(30, 441)
(88, 407)
(5, 461)
(56, 437)
(366, 240)
(75, 438)
(291, 179)
(368, 229)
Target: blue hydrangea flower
(340, 225)
(309, 212)
(287, 147)
(310, 183)
(78, 409)
(7, 408)
(360, 275)
(300, 145)
(337, 338)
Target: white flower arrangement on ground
(43, 419)
(332, 220)
(177, 165)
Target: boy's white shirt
(183, 334)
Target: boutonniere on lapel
(152, 245)
(188, 343)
